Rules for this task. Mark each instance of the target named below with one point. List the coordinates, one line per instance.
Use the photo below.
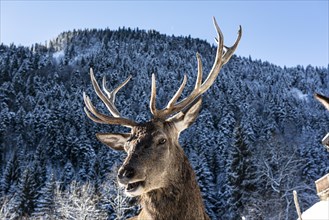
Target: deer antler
(323, 99)
(223, 55)
(98, 117)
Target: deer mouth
(134, 188)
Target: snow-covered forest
(258, 136)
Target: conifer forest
(257, 138)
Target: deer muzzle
(126, 178)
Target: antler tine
(199, 77)
(223, 55)
(98, 117)
(101, 95)
(172, 101)
(153, 95)
(218, 60)
(89, 108)
(111, 95)
(104, 119)
(178, 93)
(230, 50)
(92, 117)
(323, 99)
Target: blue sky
(281, 32)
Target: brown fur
(181, 198)
(171, 190)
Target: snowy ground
(319, 211)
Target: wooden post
(322, 187)
(297, 205)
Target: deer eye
(162, 141)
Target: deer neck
(180, 199)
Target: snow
(319, 211)
(267, 102)
(298, 94)
(59, 54)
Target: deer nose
(126, 173)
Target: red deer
(156, 168)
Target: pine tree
(68, 174)
(40, 165)
(240, 175)
(11, 175)
(205, 180)
(27, 194)
(45, 205)
(41, 101)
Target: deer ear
(187, 116)
(114, 141)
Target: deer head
(153, 151)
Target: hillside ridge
(257, 138)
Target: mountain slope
(257, 137)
